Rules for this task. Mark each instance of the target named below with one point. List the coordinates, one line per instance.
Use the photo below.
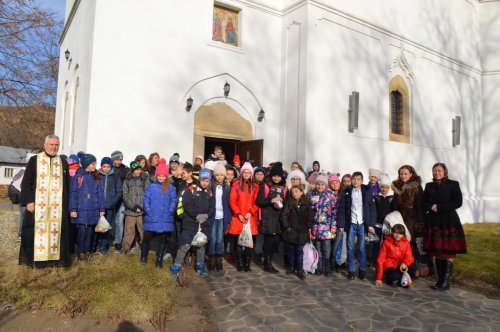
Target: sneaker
(167, 256)
(118, 246)
(103, 252)
(200, 269)
(362, 275)
(351, 276)
(337, 268)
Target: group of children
(177, 202)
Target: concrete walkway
(259, 301)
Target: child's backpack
(310, 262)
(13, 190)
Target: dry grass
(115, 287)
(480, 267)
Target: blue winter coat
(113, 191)
(86, 198)
(226, 191)
(159, 207)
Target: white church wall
(488, 198)
(145, 64)
(450, 25)
(78, 40)
(345, 56)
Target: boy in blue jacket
(199, 209)
(86, 203)
(113, 194)
(356, 211)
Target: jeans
(85, 238)
(119, 224)
(337, 252)
(22, 211)
(216, 243)
(359, 232)
(324, 248)
(183, 250)
(295, 255)
(103, 238)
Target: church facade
(354, 84)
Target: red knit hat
(236, 159)
(162, 168)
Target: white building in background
(417, 65)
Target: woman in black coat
(443, 235)
(295, 221)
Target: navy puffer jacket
(86, 198)
(159, 207)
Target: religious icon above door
(225, 25)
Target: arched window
(63, 120)
(73, 113)
(399, 104)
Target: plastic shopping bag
(310, 261)
(245, 239)
(406, 280)
(102, 226)
(199, 239)
(340, 248)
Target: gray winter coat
(133, 193)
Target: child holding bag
(86, 204)
(160, 202)
(199, 209)
(294, 220)
(242, 202)
(395, 257)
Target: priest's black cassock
(28, 194)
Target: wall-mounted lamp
(227, 88)
(67, 54)
(189, 104)
(353, 111)
(455, 130)
(261, 115)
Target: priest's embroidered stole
(48, 208)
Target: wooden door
(251, 151)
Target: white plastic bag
(102, 226)
(406, 279)
(200, 239)
(245, 239)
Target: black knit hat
(276, 169)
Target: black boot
(218, 262)
(144, 253)
(159, 255)
(447, 267)
(239, 261)
(211, 263)
(247, 259)
(439, 272)
(270, 263)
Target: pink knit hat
(333, 178)
(246, 167)
(162, 168)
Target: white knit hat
(385, 180)
(297, 173)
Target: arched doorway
(219, 122)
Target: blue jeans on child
(85, 238)
(120, 214)
(359, 232)
(216, 243)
